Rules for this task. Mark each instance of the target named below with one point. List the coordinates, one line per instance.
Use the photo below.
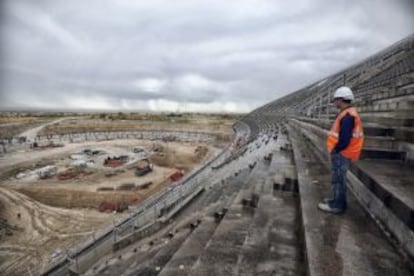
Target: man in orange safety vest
(344, 143)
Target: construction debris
(252, 201)
(126, 187)
(83, 163)
(72, 173)
(40, 173)
(105, 189)
(109, 207)
(114, 172)
(218, 216)
(68, 174)
(177, 175)
(169, 138)
(90, 152)
(138, 150)
(116, 161)
(36, 146)
(268, 157)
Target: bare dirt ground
(202, 123)
(82, 191)
(40, 230)
(44, 217)
(56, 214)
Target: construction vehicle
(144, 167)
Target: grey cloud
(231, 55)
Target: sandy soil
(202, 124)
(53, 213)
(41, 230)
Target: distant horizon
(112, 111)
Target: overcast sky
(211, 55)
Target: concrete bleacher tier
(381, 184)
(257, 214)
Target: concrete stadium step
(389, 119)
(220, 254)
(348, 244)
(273, 243)
(186, 256)
(383, 154)
(151, 261)
(391, 182)
(153, 266)
(377, 130)
(387, 93)
(387, 105)
(377, 125)
(187, 253)
(399, 133)
(383, 142)
(143, 257)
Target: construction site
(207, 138)
(57, 190)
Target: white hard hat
(344, 92)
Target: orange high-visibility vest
(353, 150)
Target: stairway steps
(153, 266)
(391, 182)
(348, 244)
(220, 255)
(380, 142)
(382, 154)
(273, 244)
(187, 255)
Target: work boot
(327, 200)
(326, 208)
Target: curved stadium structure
(251, 210)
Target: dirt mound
(169, 157)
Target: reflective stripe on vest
(354, 148)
